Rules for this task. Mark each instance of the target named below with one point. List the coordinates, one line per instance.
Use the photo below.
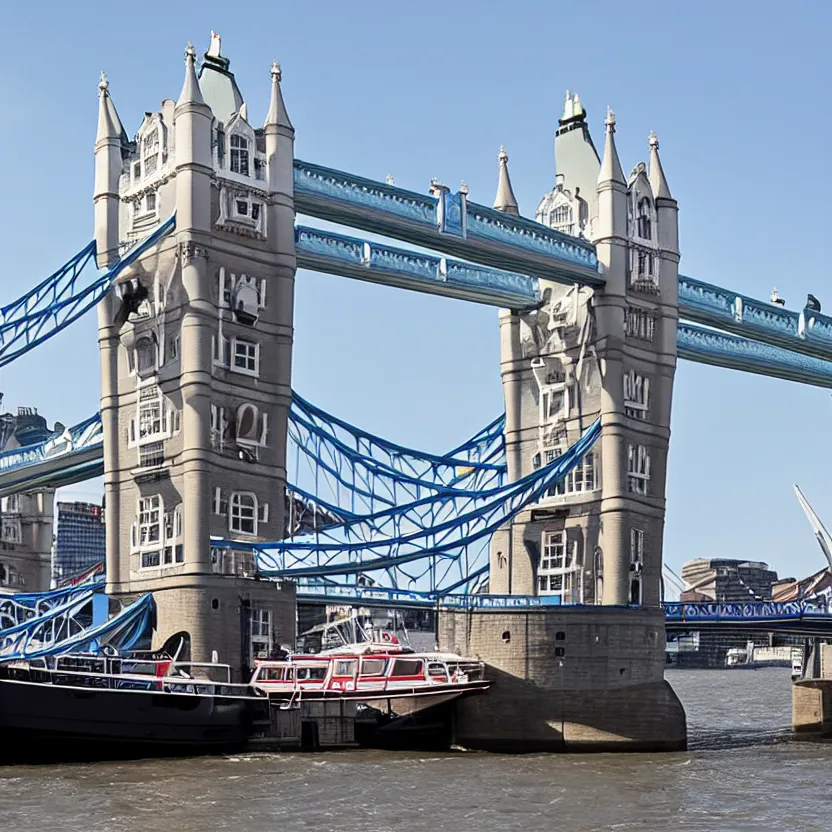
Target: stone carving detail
(546, 329)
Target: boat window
(372, 667)
(344, 668)
(407, 667)
(275, 674)
(311, 673)
(437, 671)
(146, 668)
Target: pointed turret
(109, 140)
(191, 94)
(280, 160)
(109, 124)
(657, 179)
(611, 166)
(505, 200)
(277, 114)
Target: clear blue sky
(737, 91)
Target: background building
(80, 539)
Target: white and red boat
(369, 666)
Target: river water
(742, 772)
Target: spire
(657, 181)
(277, 114)
(109, 124)
(505, 200)
(611, 166)
(191, 94)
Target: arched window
(242, 513)
(644, 224)
(150, 151)
(560, 218)
(146, 354)
(239, 155)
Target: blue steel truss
(350, 473)
(22, 607)
(426, 541)
(61, 630)
(63, 298)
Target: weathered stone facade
(196, 354)
(569, 678)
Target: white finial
(577, 109)
(609, 121)
(190, 52)
(215, 49)
(103, 83)
(463, 188)
(276, 73)
(389, 179)
(653, 140)
(503, 156)
(567, 107)
(776, 299)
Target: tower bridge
(556, 509)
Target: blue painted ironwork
(63, 298)
(349, 472)
(719, 349)
(61, 631)
(481, 235)
(439, 529)
(324, 251)
(23, 607)
(810, 616)
(804, 332)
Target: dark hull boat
(46, 713)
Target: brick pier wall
(567, 678)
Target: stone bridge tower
(585, 668)
(195, 344)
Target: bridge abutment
(566, 679)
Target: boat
(121, 704)
(368, 665)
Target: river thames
(742, 772)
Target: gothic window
(560, 218)
(150, 202)
(644, 224)
(260, 633)
(556, 573)
(554, 403)
(638, 469)
(146, 355)
(11, 530)
(242, 513)
(582, 478)
(147, 534)
(239, 155)
(246, 357)
(636, 565)
(636, 395)
(150, 151)
(10, 504)
(173, 552)
(151, 413)
(640, 323)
